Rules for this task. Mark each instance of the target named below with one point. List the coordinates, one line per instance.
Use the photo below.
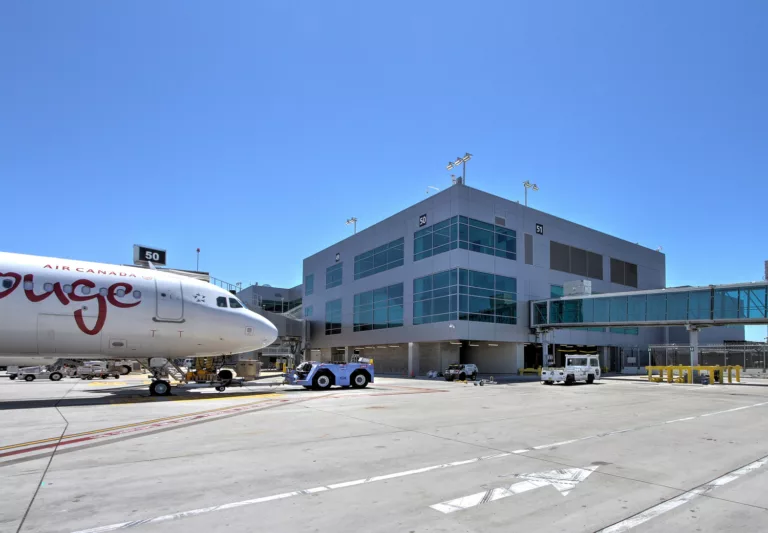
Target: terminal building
(450, 280)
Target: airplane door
(170, 305)
(59, 334)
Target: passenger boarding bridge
(692, 307)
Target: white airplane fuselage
(64, 308)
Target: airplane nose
(267, 329)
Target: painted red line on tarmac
(155, 425)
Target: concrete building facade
(449, 279)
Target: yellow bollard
(669, 374)
(738, 374)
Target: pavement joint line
(677, 501)
(48, 464)
(124, 426)
(334, 486)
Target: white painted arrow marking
(564, 480)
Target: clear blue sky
(253, 129)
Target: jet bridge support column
(693, 343)
(693, 346)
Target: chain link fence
(751, 357)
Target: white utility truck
(31, 373)
(577, 368)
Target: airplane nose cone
(267, 329)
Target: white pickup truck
(577, 368)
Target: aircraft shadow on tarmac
(126, 396)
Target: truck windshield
(455, 367)
(577, 361)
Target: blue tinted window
(699, 304)
(333, 275)
(379, 309)
(601, 310)
(466, 295)
(618, 309)
(333, 317)
(556, 291)
(657, 307)
(465, 233)
(308, 310)
(677, 306)
(636, 310)
(625, 331)
(309, 284)
(385, 257)
(753, 303)
(726, 303)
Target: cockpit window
(221, 301)
(234, 304)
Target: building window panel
(618, 309)
(559, 257)
(465, 233)
(677, 306)
(333, 317)
(594, 265)
(385, 257)
(699, 305)
(309, 284)
(379, 309)
(600, 313)
(575, 260)
(333, 275)
(636, 308)
(623, 273)
(477, 296)
(657, 307)
(755, 300)
(578, 261)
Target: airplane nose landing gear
(160, 388)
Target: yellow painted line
(69, 436)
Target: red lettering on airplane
(66, 298)
(17, 280)
(102, 315)
(91, 271)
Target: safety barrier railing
(521, 371)
(684, 374)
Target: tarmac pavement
(401, 455)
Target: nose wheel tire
(221, 388)
(160, 388)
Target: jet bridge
(691, 307)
